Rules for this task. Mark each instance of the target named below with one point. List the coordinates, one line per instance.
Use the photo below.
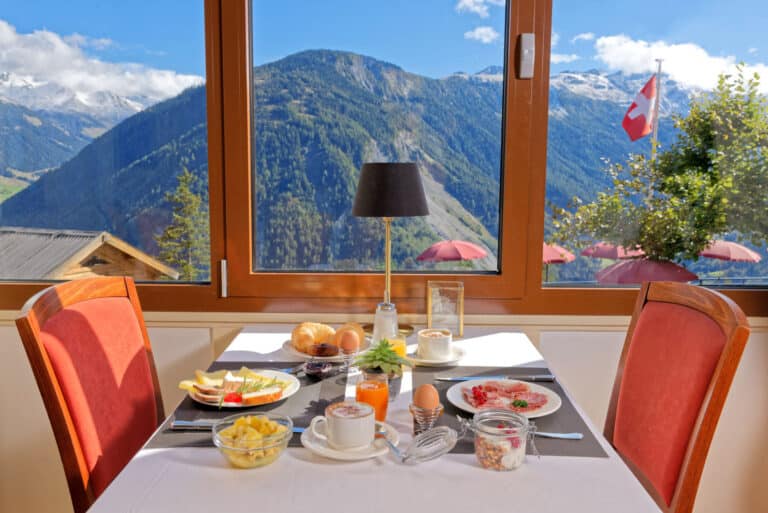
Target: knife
(529, 377)
(205, 425)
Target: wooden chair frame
(35, 313)
(733, 322)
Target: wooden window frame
(516, 290)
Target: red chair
(679, 358)
(90, 354)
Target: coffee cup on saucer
(349, 425)
(435, 344)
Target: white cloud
(555, 39)
(559, 58)
(584, 36)
(45, 56)
(686, 63)
(479, 7)
(752, 50)
(485, 35)
(88, 42)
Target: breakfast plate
(503, 392)
(288, 348)
(291, 388)
(377, 448)
(457, 354)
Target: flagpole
(655, 135)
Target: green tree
(710, 181)
(185, 242)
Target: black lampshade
(390, 189)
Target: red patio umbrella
(452, 250)
(642, 269)
(554, 254)
(612, 251)
(727, 250)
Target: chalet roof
(35, 253)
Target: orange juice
(398, 345)
(375, 393)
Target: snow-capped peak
(41, 95)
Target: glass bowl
(251, 440)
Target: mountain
(104, 106)
(118, 182)
(319, 115)
(33, 141)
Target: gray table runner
(565, 419)
(310, 401)
(314, 395)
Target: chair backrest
(90, 354)
(679, 358)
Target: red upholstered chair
(681, 352)
(89, 351)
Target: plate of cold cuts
(527, 399)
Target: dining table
(181, 471)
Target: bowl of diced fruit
(249, 441)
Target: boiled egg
(349, 342)
(426, 396)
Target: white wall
(582, 352)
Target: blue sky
(430, 37)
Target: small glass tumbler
(424, 418)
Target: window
(516, 288)
(104, 161)
(419, 81)
(693, 206)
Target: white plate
(377, 448)
(288, 348)
(457, 399)
(292, 388)
(458, 354)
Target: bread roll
(350, 326)
(308, 334)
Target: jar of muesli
(501, 437)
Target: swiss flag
(638, 121)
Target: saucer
(377, 448)
(458, 354)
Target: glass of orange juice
(373, 389)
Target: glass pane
(339, 83)
(103, 153)
(657, 146)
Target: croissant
(308, 334)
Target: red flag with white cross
(638, 121)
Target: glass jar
(385, 323)
(500, 438)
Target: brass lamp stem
(387, 257)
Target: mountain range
(319, 115)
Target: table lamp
(387, 190)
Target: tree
(710, 181)
(185, 242)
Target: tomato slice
(233, 397)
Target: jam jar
(500, 438)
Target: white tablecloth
(200, 480)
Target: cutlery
(205, 425)
(562, 436)
(529, 377)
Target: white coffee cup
(435, 344)
(349, 425)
